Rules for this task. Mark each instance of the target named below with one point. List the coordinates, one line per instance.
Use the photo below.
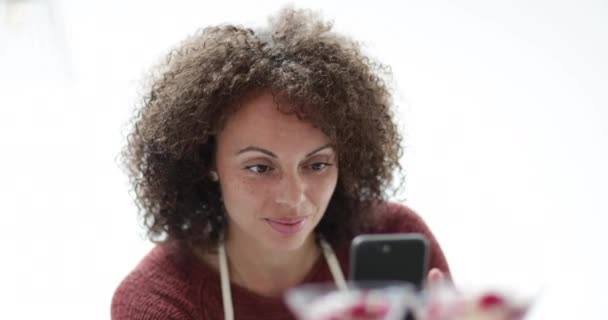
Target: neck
(266, 271)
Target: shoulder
(392, 217)
(158, 288)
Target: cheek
(324, 188)
(243, 195)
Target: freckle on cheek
(252, 188)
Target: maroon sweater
(171, 283)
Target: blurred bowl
(360, 300)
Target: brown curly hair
(326, 79)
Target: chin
(291, 242)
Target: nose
(291, 191)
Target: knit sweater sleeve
(138, 298)
(159, 288)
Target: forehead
(258, 121)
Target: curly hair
(324, 76)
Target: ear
(213, 176)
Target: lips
(287, 226)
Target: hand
(435, 278)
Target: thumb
(435, 278)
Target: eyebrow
(270, 153)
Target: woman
(257, 156)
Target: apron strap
(334, 265)
(328, 253)
(225, 281)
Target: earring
(213, 175)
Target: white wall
(504, 106)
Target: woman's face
(277, 174)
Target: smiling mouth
(287, 226)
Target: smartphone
(387, 257)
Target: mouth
(287, 226)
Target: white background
(504, 106)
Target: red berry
(490, 300)
(358, 310)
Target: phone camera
(385, 248)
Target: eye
(318, 166)
(259, 168)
